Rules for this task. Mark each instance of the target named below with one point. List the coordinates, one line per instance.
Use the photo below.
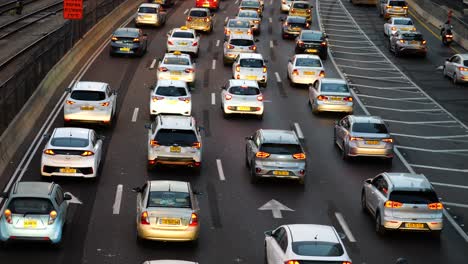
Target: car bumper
(90, 116)
(151, 233)
(312, 50)
(84, 169)
(370, 152)
(253, 77)
(345, 108)
(268, 171)
(395, 13)
(181, 109)
(401, 224)
(304, 80)
(291, 33)
(410, 50)
(131, 51)
(142, 21)
(233, 109)
(185, 77)
(200, 27)
(48, 235)
(186, 160)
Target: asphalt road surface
(231, 225)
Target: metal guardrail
(11, 5)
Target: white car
(242, 97)
(184, 40)
(253, 17)
(330, 95)
(72, 152)
(285, 5)
(176, 66)
(90, 102)
(305, 69)
(250, 66)
(456, 67)
(304, 243)
(398, 23)
(170, 97)
(237, 44)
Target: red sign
(73, 9)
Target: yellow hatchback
(301, 8)
(200, 19)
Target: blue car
(34, 211)
(128, 41)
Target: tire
(444, 72)
(364, 202)
(454, 78)
(436, 234)
(314, 109)
(150, 167)
(389, 161)
(379, 229)
(301, 181)
(253, 178)
(260, 117)
(246, 159)
(344, 155)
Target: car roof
(150, 5)
(401, 18)
(279, 136)
(169, 261)
(332, 80)
(312, 31)
(172, 186)
(74, 132)
(90, 86)
(251, 56)
(301, 2)
(311, 232)
(32, 189)
(247, 11)
(233, 82)
(176, 83)
(308, 56)
(408, 181)
(173, 121)
(124, 32)
(365, 119)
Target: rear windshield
(69, 142)
(299, 24)
(281, 149)
(88, 95)
(397, 3)
(242, 42)
(148, 10)
(248, 14)
(176, 61)
(312, 36)
(317, 248)
(295, 19)
(402, 22)
(308, 62)
(171, 91)
(238, 24)
(169, 137)
(409, 36)
(182, 34)
(251, 63)
(240, 90)
(301, 5)
(30, 206)
(169, 199)
(414, 197)
(465, 63)
(370, 128)
(198, 13)
(250, 4)
(334, 88)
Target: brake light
(299, 156)
(207, 19)
(392, 204)
(256, 21)
(52, 217)
(387, 140)
(389, 6)
(435, 206)
(308, 11)
(114, 38)
(262, 155)
(307, 25)
(260, 98)
(105, 104)
(402, 40)
(355, 138)
(237, 68)
(169, 42)
(259, 10)
(424, 42)
(300, 43)
(193, 220)
(462, 69)
(144, 218)
(249, 32)
(292, 262)
(136, 40)
(227, 31)
(87, 153)
(293, 10)
(194, 44)
(185, 99)
(253, 47)
(346, 262)
(286, 23)
(156, 98)
(69, 102)
(49, 152)
(324, 43)
(449, 36)
(393, 28)
(228, 97)
(322, 97)
(264, 69)
(322, 74)
(7, 214)
(196, 145)
(229, 46)
(189, 18)
(189, 70)
(163, 69)
(295, 72)
(348, 99)
(154, 143)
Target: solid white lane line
(226, 19)
(213, 65)
(217, 43)
(404, 110)
(152, 64)
(237, 1)
(135, 114)
(345, 227)
(271, 44)
(213, 98)
(420, 122)
(456, 204)
(118, 200)
(270, 20)
(428, 137)
(437, 168)
(432, 150)
(220, 170)
(278, 78)
(185, 12)
(299, 133)
(71, 84)
(449, 185)
(457, 227)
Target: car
(237, 44)
(211, 4)
(402, 201)
(251, 5)
(177, 66)
(184, 40)
(90, 102)
(285, 5)
(242, 97)
(174, 140)
(167, 211)
(34, 212)
(72, 152)
(456, 67)
(250, 66)
(165, 3)
(304, 69)
(200, 19)
(312, 42)
(330, 95)
(301, 8)
(170, 97)
(237, 26)
(363, 136)
(169, 261)
(275, 153)
(292, 26)
(389, 8)
(398, 23)
(304, 243)
(150, 14)
(253, 17)
(128, 41)
(408, 43)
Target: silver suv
(273, 153)
(236, 44)
(408, 42)
(174, 140)
(402, 201)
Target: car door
(140, 201)
(378, 193)
(223, 93)
(234, 65)
(387, 25)
(451, 65)
(252, 146)
(291, 65)
(111, 97)
(313, 92)
(342, 131)
(456, 63)
(97, 146)
(62, 205)
(274, 250)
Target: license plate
(148, 16)
(252, 77)
(281, 173)
(67, 170)
(172, 101)
(170, 221)
(311, 50)
(175, 78)
(414, 42)
(88, 108)
(206, 5)
(30, 223)
(397, 8)
(177, 73)
(175, 149)
(309, 73)
(125, 49)
(414, 225)
(243, 108)
(372, 142)
(239, 32)
(405, 29)
(183, 43)
(334, 98)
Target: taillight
(346, 262)
(169, 42)
(262, 155)
(229, 46)
(49, 152)
(69, 102)
(260, 98)
(285, 23)
(393, 28)
(424, 42)
(185, 99)
(299, 156)
(462, 69)
(193, 220)
(52, 217)
(228, 97)
(189, 18)
(114, 38)
(293, 10)
(348, 99)
(402, 40)
(154, 143)
(144, 218)
(355, 138)
(162, 69)
(405, 7)
(387, 140)
(7, 214)
(324, 43)
(259, 10)
(136, 40)
(300, 43)
(295, 72)
(196, 145)
(237, 68)
(322, 74)
(157, 98)
(253, 47)
(256, 21)
(264, 69)
(292, 262)
(207, 19)
(389, 6)
(308, 11)
(392, 204)
(249, 32)
(435, 206)
(194, 44)
(87, 153)
(189, 70)
(105, 104)
(307, 25)
(322, 97)
(227, 31)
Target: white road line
(449, 185)
(428, 137)
(345, 227)
(344, 47)
(456, 204)
(340, 25)
(237, 1)
(118, 200)
(213, 98)
(456, 226)
(220, 170)
(217, 43)
(346, 36)
(438, 168)
(271, 44)
(270, 20)
(135, 114)
(71, 84)
(278, 78)
(299, 133)
(404, 110)
(395, 88)
(367, 69)
(152, 64)
(350, 41)
(226, 19)
(213, 65)
(393, 99)
(332, 15)
(363, 61)
(342, 30)
(185, 12)
(432, 150)
(418, 122)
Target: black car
(293, 25)
(312, 42)
(128, 41)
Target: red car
(211, 4)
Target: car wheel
(444, 71)
(378, 225)
(324, 56)
(195, 55)
(314, 109)
(334, 136)
(265, 259)
(363, 202)
(225, 115)
(57, 245)
(253, 178)
(344, 154)
(150, 167)
(301, 181)
(454, 78)
(260, 117)
(389, 161)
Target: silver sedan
(331, 95)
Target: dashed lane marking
(220, 170)
(270, 20)
(456, 204)
(433, 150)
(152, 64)
(118, 200)
(213, 98)
(185, 12)
(428, 137)
(438, 168)
(298, 129)
(213, 65)
(278, 78)
(135, 114)
(345, 227)
(217, 43)
(271, 44)
(449, 185)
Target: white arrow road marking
(275, 207)
(74, 199)
(118, 200)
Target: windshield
(334, 88)
(250, 4)
(301, 5)
(88, 95)
(308, 62)
(30, 206)
(238, 24)
(169, 199)
(296, 20)
(244, 90)
(251, 63)
(402, 22)
(176, 61)
(69, 142)
(316, 36)
(198, 13)
(148, 10)
(242, 42)
(397, 3)
(374, 128)
(317, 248)
(414, 197)
(280, 149)
(409, 36)
(169, 137)
(171, 91)
(181, 34)
(248, 14)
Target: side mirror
(342, 236)
(47, 136)
(249, 138)
(257, 40)
(68, 90)
(101, 137)
(369, 181)
(4, 195)
(148, 126)
(137, 190)
(268, 233)
(67, 197)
